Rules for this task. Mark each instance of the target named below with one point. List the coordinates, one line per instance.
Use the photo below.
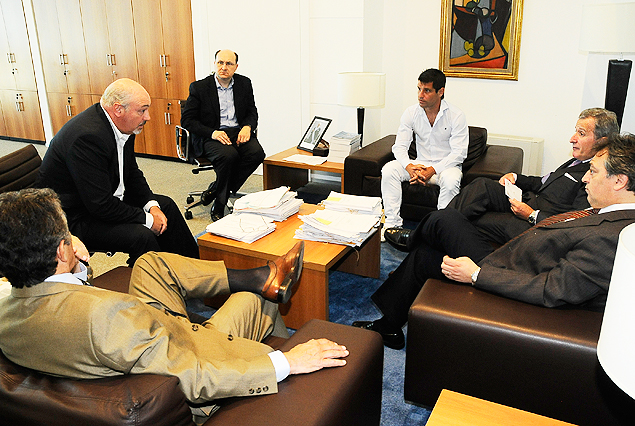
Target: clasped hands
(420, 174)
(459, 269)
(520, 209)
(243, 136)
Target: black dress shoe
(209, 194)
(398, 237)
(394, 339)
(215, 216)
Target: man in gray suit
(54, 324)
(566, 259)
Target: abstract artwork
(481, 38)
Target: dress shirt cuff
(515, 177)
(149, 217)
(280, 364)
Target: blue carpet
(349, 300)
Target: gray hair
(605, 121)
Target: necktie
(566, 216)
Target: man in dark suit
(91, 164)
(566, 259)
(486, 205)
(221, 114)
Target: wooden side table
(455, 409)
(277, 172)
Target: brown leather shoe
(285, 272)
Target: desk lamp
(361, 89)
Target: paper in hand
(512, 191)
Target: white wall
(293, 49)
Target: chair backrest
(19, 169)
(477, 146)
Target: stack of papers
(306, 159)
(331, 226)
(353, 203)
(244, 227)
(341, 145)
(277, 204)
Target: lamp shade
(361, 89)
(616, 346)
(607, 28)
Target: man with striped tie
(564, 260)
(485, 203)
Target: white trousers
(392, 174)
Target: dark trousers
(233, 164)
(440, 233)
(485, 204)
(135, 239)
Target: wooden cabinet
(21, 113)
(158, 133)
(64, 106)
(110, 44)
(165, 50)
(19, 103)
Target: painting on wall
(481, 38)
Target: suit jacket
(201, 114)
(81, 165)
(562, 191)
(87, 332)
(565, 263)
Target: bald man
(91, 165)
(221, 113)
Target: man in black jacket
(221, 114)
(91, 165)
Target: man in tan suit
(53, 324)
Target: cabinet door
(70, 22)
(150, 54)
(18, 40)
(21, 112)
(158, 133)
(110, 43)
(178, 45)
(49, 37)
(7, 81)
(64, 106)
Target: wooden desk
(311, 294)
(277, 172)
(455, 409)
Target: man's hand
(509, 177)
(315, 355)
(520, 209)
(221, 137)
(80, 249)
(419, 174)
(459, 269)
(244, 135)
(160, 223)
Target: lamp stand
(617, 86)
(360, 124)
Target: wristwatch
(532, 217)
(474, 276)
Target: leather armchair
(349, 395)
(362, 170)
(528, 357)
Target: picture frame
(481, 40)
(314, 133)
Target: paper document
(244, 227)
(306, 159)
(512, 191)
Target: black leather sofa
(349, 395)
(362, 170)
(529, 357)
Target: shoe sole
(285, 290)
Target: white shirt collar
(69, 278)
(617, 207)
(120, 138)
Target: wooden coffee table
(311, 294)
(277, 172)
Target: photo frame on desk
(314, 133)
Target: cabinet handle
(112, 59)
(11, 58)
(61, 59)
(68, 111)
(108, 60)
(169, 118)
(161, 61)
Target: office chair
(185, 153)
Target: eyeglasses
(221, 63)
